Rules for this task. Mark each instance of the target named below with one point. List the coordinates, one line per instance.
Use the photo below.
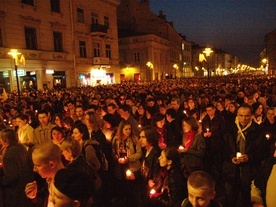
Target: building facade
(64, 43)
(270, 50)
(148, 43)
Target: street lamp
(208, 52)
(150, 65)
(176, 67)
(14, 54)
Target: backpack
(100, 155)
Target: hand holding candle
(130, 175)
(122, 160)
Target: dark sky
(236, 26)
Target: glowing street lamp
(207, 53)
(176, 67)
(150, 65)
(14, 54)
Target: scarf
(242, 141)
(190, 138)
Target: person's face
(143, 140)
(43, 119)
(79, 112)
(270, 115)
(199, 197)
(67, 154)
(186, 127)
(191, 104)
(259, 110)
(70, 106)
(163, 161)
(127, 130)
(44, 169)
(141, 110)
(61, 200)
(219, 107)
(56, 135)
(174, 105)
(231, 108)
(161, 123)
(86, 120)
(20, 123)
(57, 121)
(162, 110)
(76, 134)
(211, 111)
(244, 116)
(111, 110)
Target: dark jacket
(17, 174)
(173, 136)
(213, 203)
(174, 189)
(246, 171)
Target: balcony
(98, 30)
(100, 61)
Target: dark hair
(151, 135)
(172, 154)
(23, 117)
(69, 121)
(9, 136)
(83, 130)
(255, 107)
(57, 128)
(172, 113)
(192, 122)
(126, 107)
(157, 117)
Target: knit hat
(75, 185)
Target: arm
(91, 158)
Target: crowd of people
(177, 142)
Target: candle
(181, 147)
(35, 111)
(128, 173)
(185, 112)
(152, 191)
(121, 159)
(200, 121)
(207, 129)
(239, 154)
(139, 126)
(5, 120)
(267, 136)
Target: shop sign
(19, 73)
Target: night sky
(235, 26)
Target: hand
(151, 183)
(243, 158)
(162, 145)
(31, 190)
(235, 161)
(122, 160)
(131, 177)
(257, 205)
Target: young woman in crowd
(158, 122)
(25, 132)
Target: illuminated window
(29, 2)
(30, 38)
(58, 41)
(80, 14)
(96, 49)
(82, 47)
(108, 51)
(55, 6)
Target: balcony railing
(99, 28)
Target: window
(55, 6)
(80, 13)
(82, 49)
(30, 38)
(94, 18)
(106, 21)
(136, 56)
(96, 49)
(1, 40)
(58, 41)
(29, 2)
(108, 51)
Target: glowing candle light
(181, 147)
(128, 173)
(267, 136)
(207, 129)
(239, 154)
(152, 191)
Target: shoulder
(186, 203)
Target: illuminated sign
(5, 74)
(19, 73)
(32, 73)
(50, 71)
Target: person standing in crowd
(17, 170)
(194, 146)
(172, 132)
(25, 132)
(72, 189)
(127, 151)
(201, 191)
(242, 151)
(79, 113)
(148, 140)
(174, 188)
(158, 122)
(112, 110)
(180, 114)
(213, 126)
(42, 133)
(125, 113)
(47, 161)
(258, 112)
